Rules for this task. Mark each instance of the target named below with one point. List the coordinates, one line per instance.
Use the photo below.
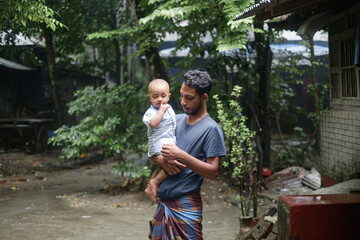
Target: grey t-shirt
(201, 140)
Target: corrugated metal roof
(21, 40)
(254, 9)
(14, 65)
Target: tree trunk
(114, 25)
(316, 92)
(154, 66)
(53, 77)
(263, 65)
(118, 61)
(132, 61)
(125, 67)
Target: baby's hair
(158, 81)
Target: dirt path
(67, 204)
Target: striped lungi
(178, 219)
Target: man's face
(191, 101)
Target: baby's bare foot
(150, 193)
(154, 185)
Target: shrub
(110, 122)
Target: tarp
(14, 65)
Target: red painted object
(327, 182)
(266, 171)
(317, 217)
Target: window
(344, 75)
(7, 100)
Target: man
(200, 145)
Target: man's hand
(170, 165)
(208, 169)
(171, 154)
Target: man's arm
(172, 167)
(208, 169)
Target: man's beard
(194, 112)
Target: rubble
(288, 178)
(266, 228)
(312, 180)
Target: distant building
(26, 93)
(340, 125)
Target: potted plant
(241, 160)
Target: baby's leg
(149, 192)
(155, 182)
(156, 172)
(157, 178)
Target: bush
(241, 160)
(111, 122)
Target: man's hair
(200, 80)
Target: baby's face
(159, 94)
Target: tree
(28, 11)
(73, 50)
(154, 66)
(191, 22)
(285, 76)
(263, 68)
(53, 76)
(29, 17)
(65, 45)
(145, 36)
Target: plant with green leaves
(129, 169)
(28, 11)
(192, 23)
(110, 122)
(241, 161)
(147, 37)
(317, 91)
(285, 76)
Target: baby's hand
(164, 107)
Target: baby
(161, 122)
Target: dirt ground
(44, 199)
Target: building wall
(340, 144)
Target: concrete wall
(340, 144)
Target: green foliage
(110, 122)
(321, 91)
(285, 76)
(119, 32)
(191, 21)
(126, 30)
(316, 91)
(241, 160)
(70, 45)
(299, 132)
(25, 11)
(286, 157)
(129, 169)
